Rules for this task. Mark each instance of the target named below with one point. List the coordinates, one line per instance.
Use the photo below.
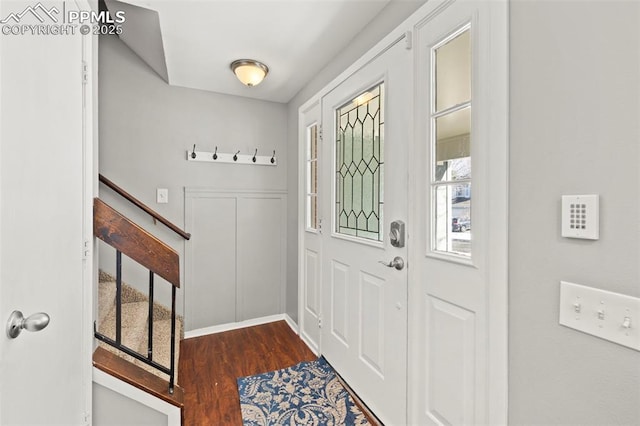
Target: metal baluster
(150, 339)
(118, 296)
(173, 338)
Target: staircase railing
(155, 215)
(126, 237)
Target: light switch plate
(162, 195)
(610, 316)
(581, 216)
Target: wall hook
(233, 157)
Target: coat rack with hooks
(235, 157)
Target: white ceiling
(199, 39)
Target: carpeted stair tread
(106, 299)
(135, 311)
(129, 294)
(161, 313)
(162, 344)
(105, 276)
(134, 324)
(133, 315)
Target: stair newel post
(118, 297)
(150, 321)
(173, 339)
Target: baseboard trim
(242, 324)
(108, 381)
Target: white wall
(146, 126)
(114, 409)
(575, 114)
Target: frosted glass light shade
(249, 72)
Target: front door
(366, 123)
(45, 375)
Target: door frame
(497, 407)
(89, 46)
(90, 137)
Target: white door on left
(43, 220)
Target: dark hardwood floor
(210, 365)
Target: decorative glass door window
(359, 155)
(312, 178)
(451, 145)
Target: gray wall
(387, 20)
(146, 126)
(113, 409)
(575, 109)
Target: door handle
(397, 263)
(17, 322)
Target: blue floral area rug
(308, 393)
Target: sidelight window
(312, 178)
(451, 115)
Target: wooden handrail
(124, 235)
(144, 207)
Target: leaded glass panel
(359, 165)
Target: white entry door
(458, 262)
(44, 376)
(366, 123)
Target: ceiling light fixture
(250, 72)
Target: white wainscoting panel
(235, 261)
(450, 345)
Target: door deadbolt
(396, 234)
